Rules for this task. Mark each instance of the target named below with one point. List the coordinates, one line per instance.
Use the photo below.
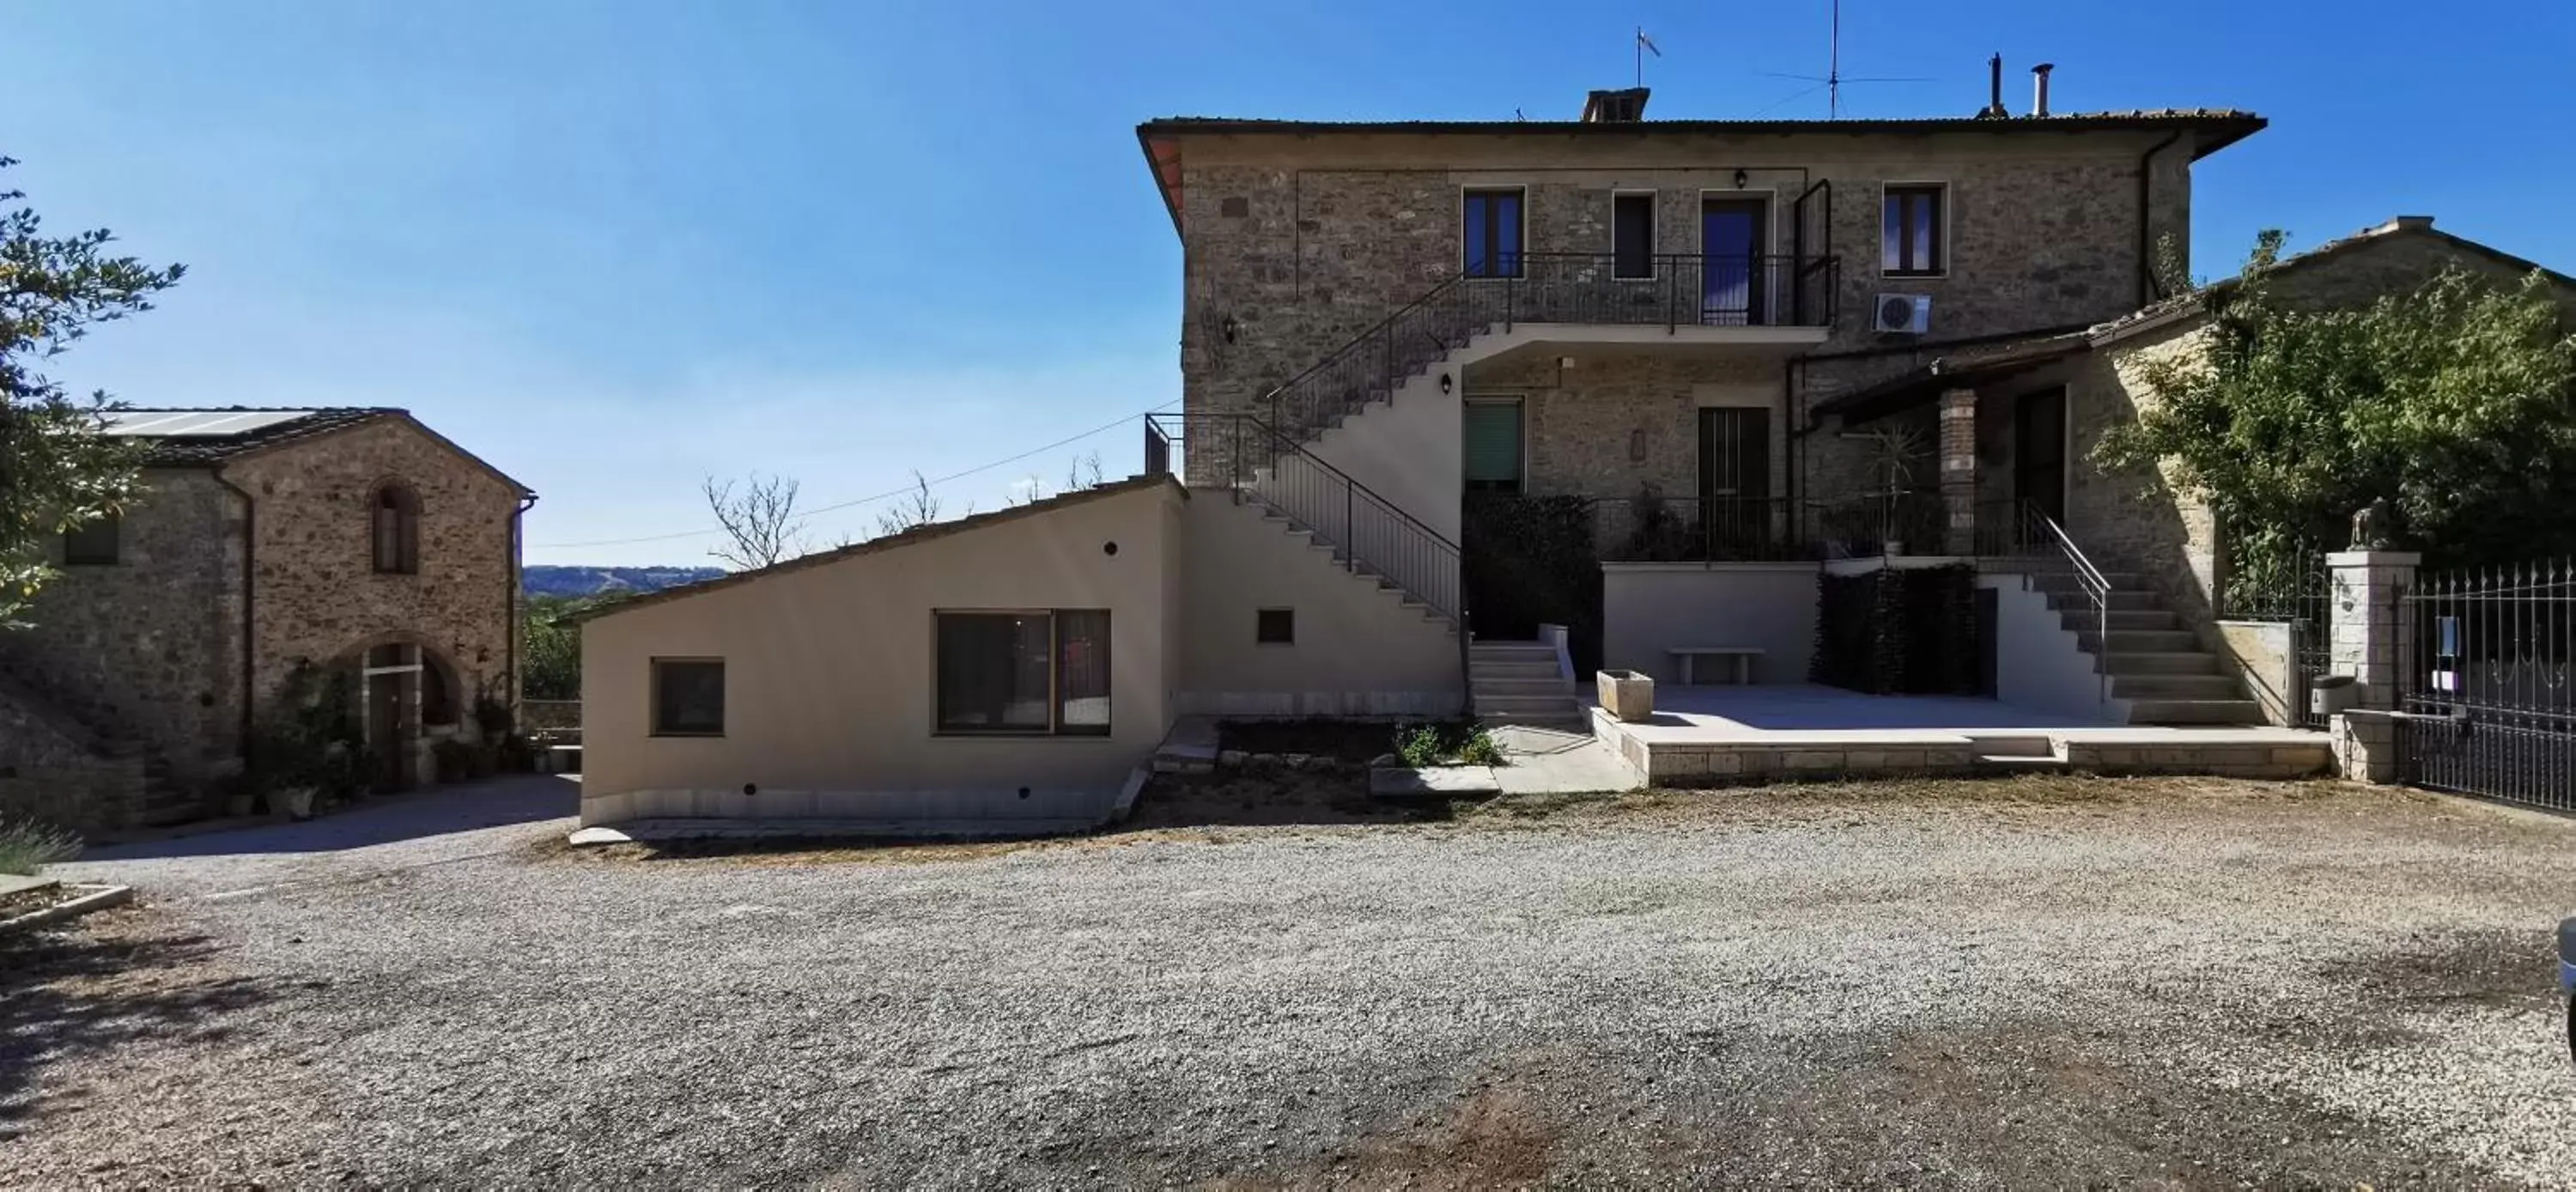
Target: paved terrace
(1706, 735)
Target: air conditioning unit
(1903, 314)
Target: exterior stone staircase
(1341, 560)
(1519, 683)
(2158, 665)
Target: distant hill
(590, 581)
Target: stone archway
(408, 694)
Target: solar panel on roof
(197, 424)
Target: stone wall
(52, 771)
(1614, 424)
(319, 598)
(147, 647)
(1303, 242)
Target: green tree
(550, 650)
(2455, 404)
(57, 471)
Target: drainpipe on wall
(2149, 288)
(249, 625)
(510, 653)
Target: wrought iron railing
(1652, 529)
(1905, 522)
(1669, 290)
(2296, 591)
(2491, 683)
(1366, 532)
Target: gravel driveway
(2047, 981)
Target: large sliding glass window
(1024, 672)
(1493, 233)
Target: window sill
(717, 735)
(1893, 275)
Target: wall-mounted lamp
(1741, 178)
(1445, 384)
(1229, 328)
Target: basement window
(1274, 627)
(92, 543)
(1036, 673)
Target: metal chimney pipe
(1995, 85)
(2039, 88)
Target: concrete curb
(96, 900)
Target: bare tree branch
(913, 510)
(760, 520)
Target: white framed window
(1632, 235)
(1494, 235)
(1914, 230)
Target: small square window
(92, 543)
(688, 697)
(1275, 627)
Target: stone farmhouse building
(267, 542)
(1725, 360)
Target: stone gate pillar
(2372, 636)
(1959, 471)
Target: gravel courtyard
(2043, 981)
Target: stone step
(2155, 641)
(2195, 711)
(1549, 684)
(1479, 676)
(1487, 648)
(2008, 745)
(2174, 662)
(2069, 601)
(2154, 687)
(2065, 581)
(1573, 721)
(1553, 704)
(2082, 619)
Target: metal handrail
(2095, 586)
(1365, 529)
(1754, 290)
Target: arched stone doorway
(408, 694)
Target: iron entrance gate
(2491, 692)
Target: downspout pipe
(510, 619)
(249, 618)
(2149, 289)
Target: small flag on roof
(1647, 44)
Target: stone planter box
(1628, 695)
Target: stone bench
(1740, 660)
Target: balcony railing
(1670, 290)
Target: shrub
(1418, 745)
(1480, 749)
(27, 846)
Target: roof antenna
(1646, 45)
(1833, 80)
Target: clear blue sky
(616, 246)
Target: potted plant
(1893, 451)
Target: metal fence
(2298, 592)
(2490, 708)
